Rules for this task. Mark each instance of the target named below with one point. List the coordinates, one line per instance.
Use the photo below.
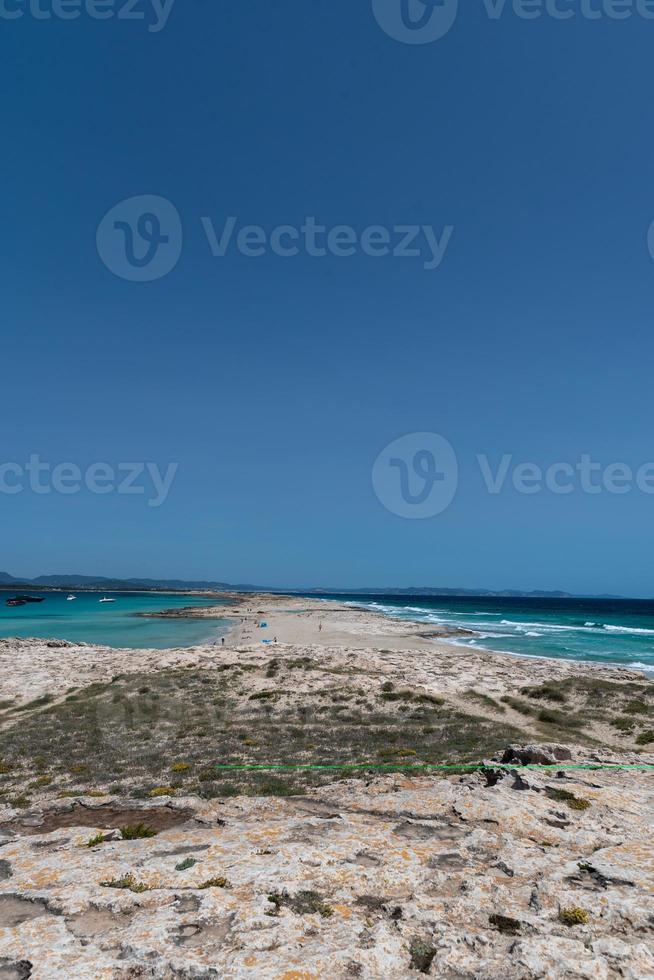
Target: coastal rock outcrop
(389, 877)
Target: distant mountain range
(95, 582)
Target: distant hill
(426, 591)
(112, 584)
(81, 582)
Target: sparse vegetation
(422, 954)
(636, 707)
(564, 796)
(218, 882)
(151, 743)
(623, 724)
(304, 902)
(547, 692)
(591, 698)
(484, 699)
(551, 717)
(41, 781)
(138, 831)
(127, 881)
(186, 864)
(522, 706)
(20, 802)
(572, 915)
(35, 703)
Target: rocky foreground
(504, 872)
(270, 808)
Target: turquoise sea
(618, 631)
(111, 624)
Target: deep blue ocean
(619, 631)
(111, 624)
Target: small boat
(70, 598)
(107, 600)
(16, 602)
(30, 598)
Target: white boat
(70, 598)
(107, 600)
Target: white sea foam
(569, 641)
(628, 629)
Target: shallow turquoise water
(112, 624)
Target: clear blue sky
(276, 382)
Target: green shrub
(422, 954)
(572, 915)
(546, 691)
(137, 831)
(551, 717)
(127, 881)
(564, 796)
(635, 708)
(623, 724)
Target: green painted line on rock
(429, 766)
